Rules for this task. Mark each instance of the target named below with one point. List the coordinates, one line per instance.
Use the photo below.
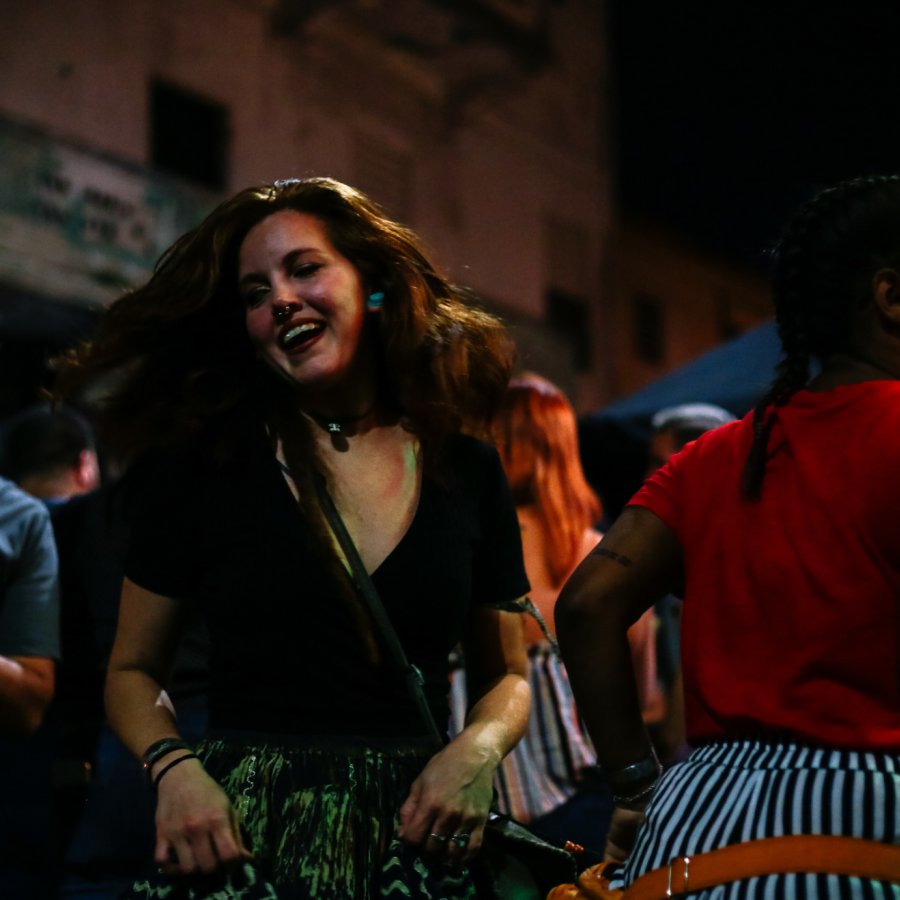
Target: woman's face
(304, 302)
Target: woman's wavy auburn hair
(174, 356)
(537, 438)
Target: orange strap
(768, 856)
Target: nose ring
(282, 313)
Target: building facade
(668, 301)
(481, 123)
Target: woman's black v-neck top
(287, 651)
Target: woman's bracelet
(641, 774)
(171, 765)
(646, 792)
(157, 750)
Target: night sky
(730, 114)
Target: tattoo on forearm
(615, 557)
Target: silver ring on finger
(442, 838)
(461, 839)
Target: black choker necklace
(336, 424)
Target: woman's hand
(448, 804)
(450, 798)
(197, 829)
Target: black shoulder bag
(512, 861)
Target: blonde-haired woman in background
(550, 778)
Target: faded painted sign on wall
(80, 226)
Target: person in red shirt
(781, 533)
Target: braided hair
(823, 269)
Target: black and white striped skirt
(731, 792)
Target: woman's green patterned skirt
(320, 817)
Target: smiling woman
(306, 313)
(297, 339)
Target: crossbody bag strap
(412, 675)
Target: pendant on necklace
(334, 427)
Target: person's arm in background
(29, 630)
(26, 689)
(453, 793)
(196, 826)
(637, 562)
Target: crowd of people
(197, 701)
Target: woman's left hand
(444, 814)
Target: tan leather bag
(768, 856)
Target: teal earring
(376, 300)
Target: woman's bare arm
(196, 827)
(637, 563)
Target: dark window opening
(188, 135)
(567, 314)
(648, 328)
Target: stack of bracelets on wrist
(157, 750)
(635, 782)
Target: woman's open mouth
(298, 336)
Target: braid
(823, 269)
